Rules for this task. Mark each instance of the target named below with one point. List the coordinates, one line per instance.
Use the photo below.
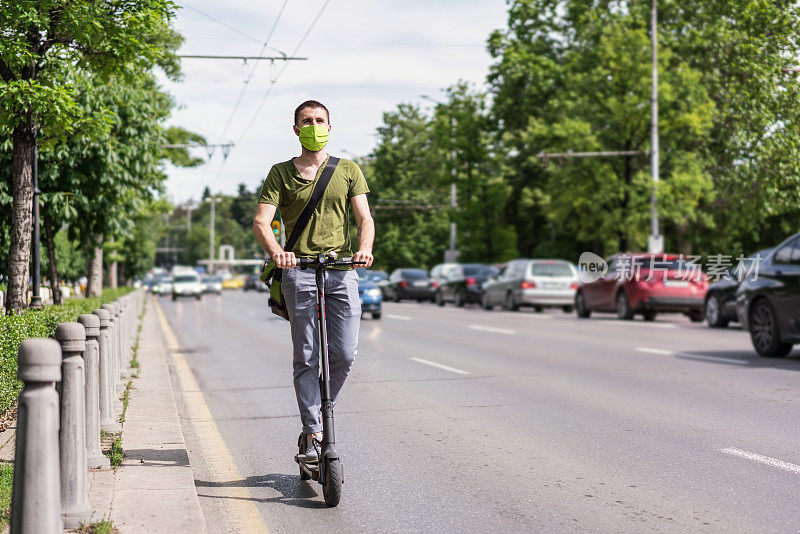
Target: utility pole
(451, 254)
(189, 207)
(213, 201)
(656, 241)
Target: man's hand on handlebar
(285, 260)
(364, 256)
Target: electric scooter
(328, 470)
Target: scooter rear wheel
(332, 489)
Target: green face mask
(314, 137)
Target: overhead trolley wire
(245, 82)
(271, 85)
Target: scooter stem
(328, 437)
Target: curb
(153, 490)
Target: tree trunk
(55, 286)
(95, 285)
(112, 275)
(19, 253)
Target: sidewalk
(153, 490)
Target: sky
(364, 58)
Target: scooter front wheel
(332, 488)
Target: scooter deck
(314, 466)
(311, 469)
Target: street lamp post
(213, 201)
(36, 299)
(656, 241)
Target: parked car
(187, 285)
(251, 281)
(720, 304)
(211, 284)
(163, 286)
(538, 283)
(409, 284)
(463, 284)
(379, 277)
(768, 303)
(441, 272)
(371, 297)
(647, 284)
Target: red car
(645, 284)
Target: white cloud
(365, 57)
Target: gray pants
(343, 319)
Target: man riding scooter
(289, 186)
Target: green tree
(574, 75)
(180, 156)
(43, 41)
(405, 174)
(462, 130)
(113, 174)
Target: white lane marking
(654, 351)
(780, 464)
(641, 323)
(687, 356)
(400, 317)
(525, 315)
(440, 366)
(491, 329)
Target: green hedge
(14, 329)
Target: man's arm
(263, 230)
(366, 229)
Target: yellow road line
(215, 453)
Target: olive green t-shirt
(328, 229)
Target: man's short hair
(310, 104)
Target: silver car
(536, 283)
(211, 284)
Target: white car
(162, 286)
(187, 285)
(212, 284)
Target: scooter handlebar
(305, 263)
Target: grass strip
(6, 481)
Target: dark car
(463, 284)
(720, 304)
(646, 284)
(768, 301)
(409, 284)
(371, 297)
(251, 281)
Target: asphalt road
(465, 420)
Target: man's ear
(296, 130)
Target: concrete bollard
(95, 459)
(75, 507)
(126, 335)
(35, 500)
(115, 351)
(106, 391)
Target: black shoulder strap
(316, 195)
